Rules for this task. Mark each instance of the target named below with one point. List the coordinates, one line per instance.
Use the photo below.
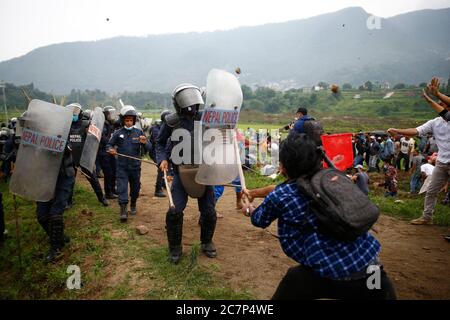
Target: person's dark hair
(299, 156)
(304, 111)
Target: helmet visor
(188, 97)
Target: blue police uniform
(206, 204)
(107, 161)
(77, 139)
(154, 132)
(50, 213)
(128, 170)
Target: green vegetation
(103, 248)
(267, 108)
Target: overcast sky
(29, 24)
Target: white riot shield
(221, 113)
(138, 124)
(44, 138)
(92, 142)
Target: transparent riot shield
(92, 142)
(45, 132)
(221, 114)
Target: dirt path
(416, 257)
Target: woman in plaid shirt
(328, 268)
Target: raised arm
(411, 132)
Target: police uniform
(128, 170)
(77, 138)
(154, 132)
(50, 213)
(107, 162)
(206, 203)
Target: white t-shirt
(405, 144)
(441, 132)
(427, 168)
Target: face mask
(74, 118)
(128, 128)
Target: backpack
(314, 130)
(343, 211)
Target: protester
(387, 148)
(406, 145)
(441, 174)
(374, 151)
(440, 108)
(416, 179)
(361, 179)
(426, 173)
(390, 179)
(328, 268)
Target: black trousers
(404, 156)
(108, 165)
(301, 283)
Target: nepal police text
(52, 143)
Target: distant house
(307, 90)
(385, 86)
(317, 88)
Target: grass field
(98, 243)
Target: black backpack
(343, 211)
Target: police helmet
(164, 114)
(110, 113)
(186, 96)
(127, 111)
(77, 109)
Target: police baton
(169, 193)
(138, 159)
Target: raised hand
(433, 87)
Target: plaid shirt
(329, 258)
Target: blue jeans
(358, 160)
(415, 183)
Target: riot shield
(221, 113)
(44, 137)
(92, 142)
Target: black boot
(101, 198)
(206, 234)
(159, 193)
(123, 213)
(133, 208)
(174, 226)
(56, 230)
(45, 224)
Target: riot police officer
(130, 141)
(77, 138)
(50, 213)
(107, 161)
(154, 132)
(187, 100)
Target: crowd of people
(329, 267)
